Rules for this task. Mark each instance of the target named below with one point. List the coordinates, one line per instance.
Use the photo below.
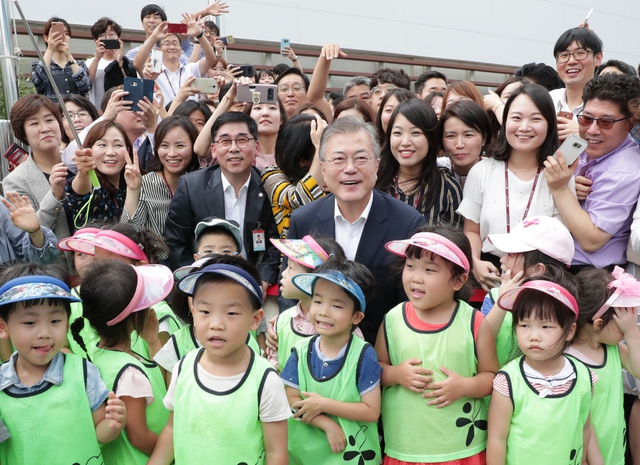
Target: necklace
(506, 194)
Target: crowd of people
(443, 282)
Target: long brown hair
(96, 133)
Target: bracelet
(34, 231)
(199, 35)
(72, 62)
(294, 59)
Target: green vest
(506, 344)
(413, 430)
(166, 315)
(53, 425)
(112, 364)
(547, 430)
(218, 427)
(287, 336)
(308, 444)
(607, 411)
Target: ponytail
(76, 327)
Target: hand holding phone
(572, 148)
(565, 114)
(284, 43)
(177, 28)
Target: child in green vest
(55, 406)
(438, 356)
(537, 246)
(228, 404)
(117, 298)
(134, 246)
(303, 256)
(607, 315)
(539, 410)
(332, 379)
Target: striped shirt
(445, 206)
(286, 196)
(153, 205)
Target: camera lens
(270, 95)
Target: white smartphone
(572, 148)
(588, 16)
(206, 85)
(156, 61)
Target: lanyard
(169, 80)
(506, 194)
(166, 183)
(416, 199)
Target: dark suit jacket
(388, 220)
(200, 195)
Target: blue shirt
(97, 391)
(321, 366)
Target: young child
(332, 378)
(607, 315)
(228, 405)
(52, 404)
(294, 324)
(134, 246)
(539, 245)
(184, 340)
(217, 236)
(539, 411)
(117, 298)
(438, 357)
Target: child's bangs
(540, 306)
(51, 302)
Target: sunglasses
(603, 123)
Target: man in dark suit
(361, 219)
(231, 190)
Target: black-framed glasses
(603, 123)
(579, 55)
(241, 142)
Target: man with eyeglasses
(601, 223)
(360, 218)
(578, 52)
(384, 80)
(292, 89)
(231, 189)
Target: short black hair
(152, 9)
(216, 231)
(235, 117)
(337, 96)
(101, 26)
(424, 77)
(620, 89)
(293, 146)
(621, 65)
(279, 69)
(584, 37)
(541, 74)
(396, 76)
(359, 273)
(213, 26)
(296, 71)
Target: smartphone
(15, 155)
(572, 148)
(588, 16)
(138, 89)
(156, 61)
(284, 43)
(177, 28)
(206, 85)
(247, 70)
(111, 44)
(227, 40)
(565, 114)
(258, 93)
(58, 27)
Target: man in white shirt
(578, 52)
(233, 190)
(361, 219)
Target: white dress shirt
(348, 234)
(234, 206)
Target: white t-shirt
(559, 97)
(167, 357)
(484, 201)
(170, 82)
(97, 89)
(274, 405)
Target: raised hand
(21, 212)
(331, 51)
(132, 175)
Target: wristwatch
(72, 62)
(200, 35)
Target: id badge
(258, 240)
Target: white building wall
(490, 31)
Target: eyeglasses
(603, 123)
(112, 35)
(80, 114)
(377, 90)
(339, 163)
(241, 142)
(579, 55)
(170, 44)
(287, 89)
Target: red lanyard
(417, 198)
(506, 194)
(167, 184)
(169, 80)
